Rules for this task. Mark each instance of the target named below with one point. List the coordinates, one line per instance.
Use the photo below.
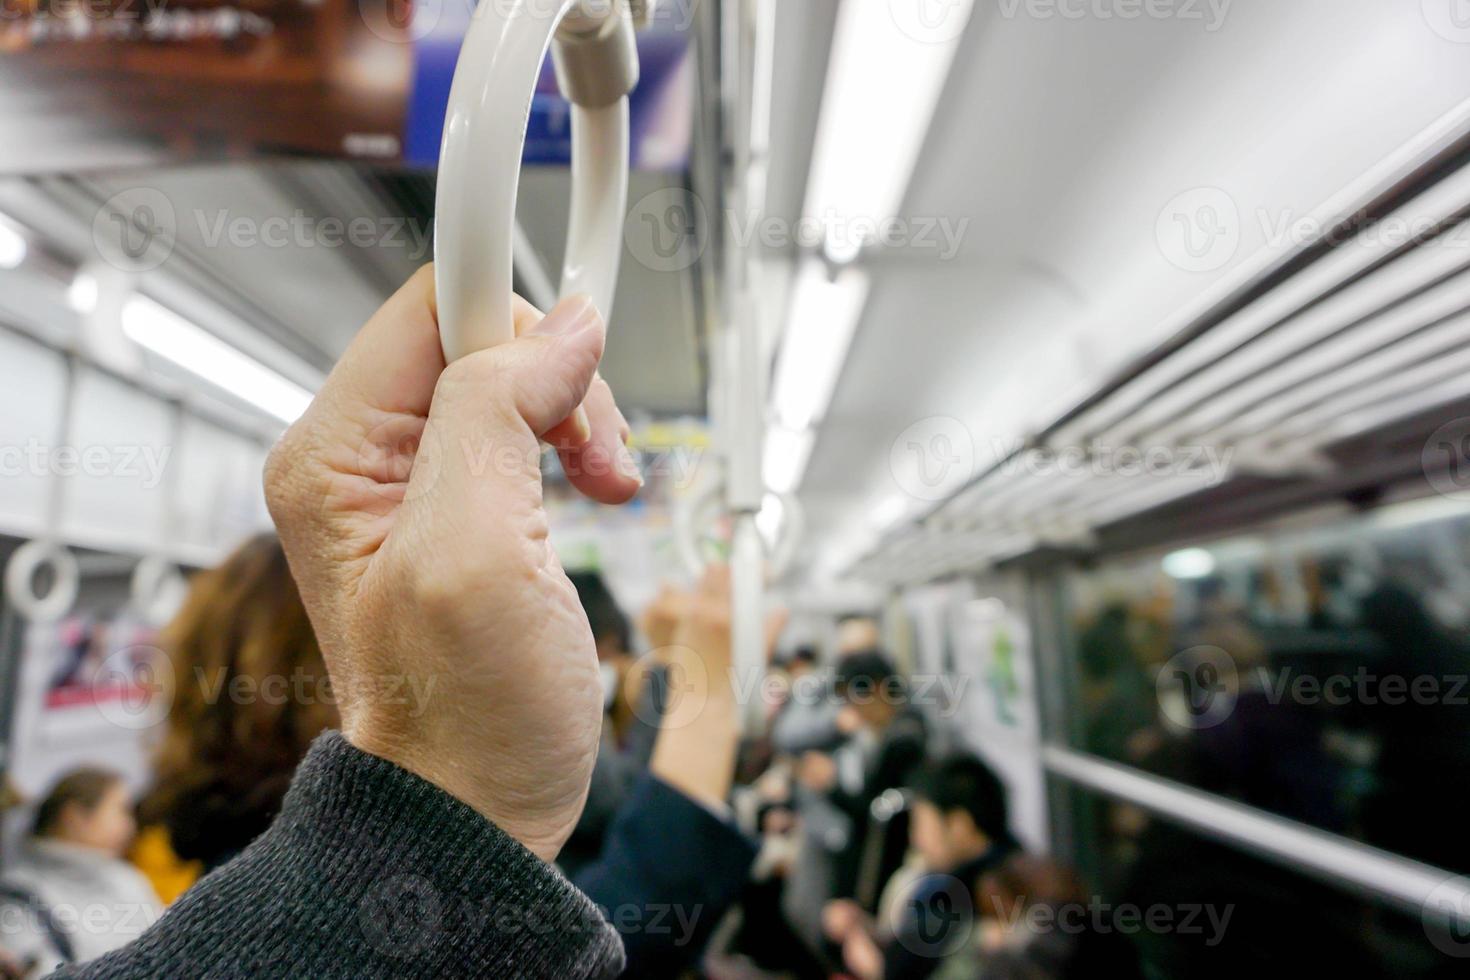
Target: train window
(1194, 907)
(1320, 672)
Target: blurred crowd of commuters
(850, 840)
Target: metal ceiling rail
(1436, 155)
(1283, 305)
(1440, 339)
(1411, 273)
(1381, 338)
(1420, 889)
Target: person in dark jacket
(960, 827)
(673, 861)
(886, 744)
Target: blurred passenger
(886, 742)
(806, 721)
(250, 693)
(1032, 923)
(617, 765)
(68, 896)
(1116, 693)
(1424, 730)
(673, 850)
(960, 829)
(858, 632)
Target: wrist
(542, 835)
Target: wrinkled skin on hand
(409, 501)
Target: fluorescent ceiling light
(13, 247)
(769, 518)
(787, 452)
(889, 61)
(171, 336)
(824, 315)
(889, 512)
(82, 294)
(1189, 563)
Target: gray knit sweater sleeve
(369, 872)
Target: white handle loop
(702, 507)
(480, 159)
(22, 571)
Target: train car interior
(735, 489)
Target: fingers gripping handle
(480, 159)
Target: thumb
(542, 376)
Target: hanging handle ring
(596, 57)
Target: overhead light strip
(170, 336)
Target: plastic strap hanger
(596, 57)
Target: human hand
(409, 502)
(840, 917)
(700, 731)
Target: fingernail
(629, 464)
(569, 316)
(581, 426)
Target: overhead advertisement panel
(108, 84)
